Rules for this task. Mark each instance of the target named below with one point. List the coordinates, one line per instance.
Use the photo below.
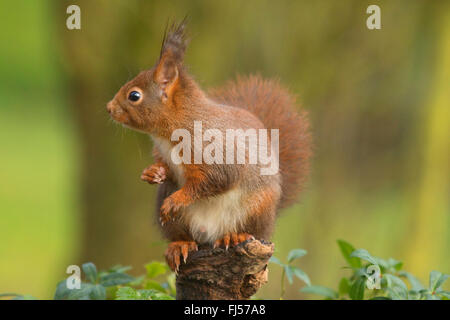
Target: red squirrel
(220, 204)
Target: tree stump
(233, 274)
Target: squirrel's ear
(171, 57)
(166, 76)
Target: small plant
(373, 278)
(116, 284)
(147, 288)
(289, 270)
(110, 284)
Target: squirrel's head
(151, 98)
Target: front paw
(169, 209)
(155, 173)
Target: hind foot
(233, 238)
(176, 250)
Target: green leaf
(436, 280)
(365, 255)
(295, 254)
(289, 273)
(344, 286)
(90, 270)
(428, 296)
(414, 295)
(415, 283)
(396, 287)
(299, 273)
(62, 292)
(119, 268)
(161, 296)
(357, 289)
(321, 291)
(98, 292)
(346, 250)
(395, 264)
(127, 293)
(361, 272)
(433, 297)
(151, 284)
(383, 264)
(113, 279)
(276, 261)
(146, 294)
(380, 298)
(444, 294)
(423, 293)
(393, 281)
(155, 268)
(137, 281)
(84, 293)
(396, 294)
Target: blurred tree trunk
(431, 214)
(116, 207)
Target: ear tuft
(175, 41)
(171, 58)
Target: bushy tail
(276, 108)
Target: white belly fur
(208, 219)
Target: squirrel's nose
(110, 107)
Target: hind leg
(181, 241)
(260, 219)
(261, 215)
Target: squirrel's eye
(134, 96)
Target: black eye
(134, 96)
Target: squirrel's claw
(165, 213)
(233, 239)
(178, 249)
(169, 209)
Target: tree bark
(233, 274)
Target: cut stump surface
(236, 273)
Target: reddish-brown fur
(171, 99)
(275, 107)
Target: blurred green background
(378, 99)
